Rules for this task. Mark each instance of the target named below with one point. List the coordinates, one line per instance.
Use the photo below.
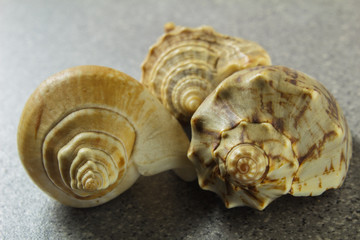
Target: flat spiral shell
(268, 131)
(91, 146)
(88, 132)
(186, 64)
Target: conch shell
(268, 131)
(186, 64)
(87, 133)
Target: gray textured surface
(39, 38)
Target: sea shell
(186, 64)
(268, 131)
(88, 132)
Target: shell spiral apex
(186, 64)
(87, 133)
(268, 131)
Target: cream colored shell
(186, 64)
(87, 133)
(269, 131)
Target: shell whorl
(86, 154)
(186, 64)
(87, 133)
(246, 164)
(272, 117)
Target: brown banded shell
(87, 133)
(186, 64)
(268, 131)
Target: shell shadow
(156, 207)
(187, 129)
(165, 207)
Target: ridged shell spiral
(268, 131)
(186, 64)
(88, 132)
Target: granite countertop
(39, 38)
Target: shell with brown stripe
(186, 64)
(268, 131)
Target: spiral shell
(87, 133)
(186, 64)
(268, 131)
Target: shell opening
(246, 164)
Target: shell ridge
(80, 146)
(57, 174)
(224, 53)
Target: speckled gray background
(39, 38)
